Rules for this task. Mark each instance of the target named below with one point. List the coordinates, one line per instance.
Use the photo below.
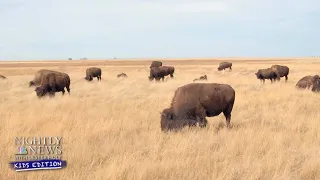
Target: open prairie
(111, 129)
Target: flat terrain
(111, 129)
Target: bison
(268, 73)
(42, 73)
(281, 71)
(155, 64)
(2, 77)
(192, 103)
(93, 72)
(225, 65)
(308, 81)
(124, 75)
(160, 72)
(52, 83)
(201, 78)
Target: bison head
(88, 78)
(219, 68)
(31, 83)
(40, 91)
(166, 119)
(169, 122)
(150, 78)
(258, 74)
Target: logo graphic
(38, 153)
(22, 150)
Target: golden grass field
(111, 129)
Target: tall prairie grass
(111, 129)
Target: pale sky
(59, 29)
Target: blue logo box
(38, 165)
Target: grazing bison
(160, 72)
(42, 73)
(281, 71)
(52, 83)
(268, 73)
(2, 77)
(155, 64)
(124, 75)
(201, 78)
(225, 65)
(308, 81)
(93, 72)
(192, 103)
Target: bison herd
(191, 103)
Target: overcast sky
(59, 29)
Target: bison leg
(68, 89)
(263, 80)
(227, 114)
(230, 69)
(192, 123)
(51, 94)
(286, 78)
(162, 79)
(203, 122)
(63, 91)
(171, 75)
(201, 117)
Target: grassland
(111, 129)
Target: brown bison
(201, 78)
(2, 77)
(308, 81)
(192, 103)
(52, 83)
(155, 64)
(281, 71)
(42, 73)
(93, 72)
(158, 73)
(225, 65)
(268, 73)
(124, 75)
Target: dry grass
(111, 129)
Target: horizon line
(164, 59)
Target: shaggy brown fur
(40, 74)
(158, 73)
(93, 72)
(281, 71)
(53, 83)
(268, 73)
(225, 65)
(307, 82)
(192, 103)
(156, 64)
